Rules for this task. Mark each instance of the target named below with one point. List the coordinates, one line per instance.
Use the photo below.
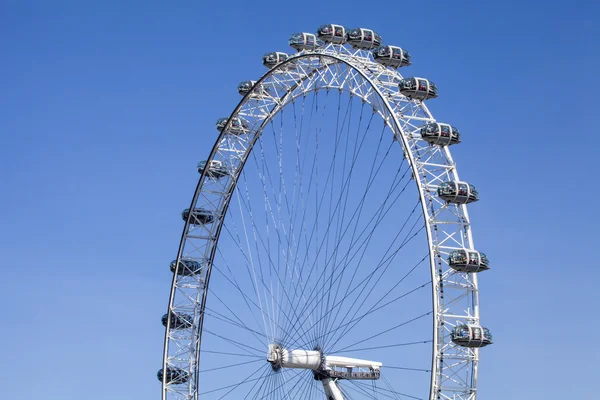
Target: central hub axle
(325, 366)
(284, 358)
(328, 369)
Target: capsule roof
(332, 33)
(440, 134)
(305, 41)
(418, 88)
(363, 38)
(391, 56)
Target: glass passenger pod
(246, 87)
(418, 88)
(238, 126)
(215, 169)
(465, 260)
(305, 41)
(186, 267)
(332, 33)
(440, 134)
(272, 59)
(457, 192)
(178, 321)
(199, 216)
(391, 56)
(364, 39)
(470, 335)
(173, 375)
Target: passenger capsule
(238, 126)
(305, 41)
(200, 216)
(440, 134)
(418, 88)
(331, 33)
(186, 267)
(471, 336)
(466, 260)
(457, 192)
(173, 375)
(246, 87)
(178, 321)
(272, 59)
(391, 56)
(364, 39)
(215, 169)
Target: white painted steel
(454, 294)
(332, 391)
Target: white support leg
(332, 391)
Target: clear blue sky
(106, 108)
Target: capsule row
(178, 321)
(360, 38)
(366, 39)
(389, 56)
(413, 87)
(437, 133)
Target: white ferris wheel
(309, 266)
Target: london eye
(327, 250)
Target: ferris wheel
(327, 251)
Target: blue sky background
(106, 107)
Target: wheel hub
(324, 366)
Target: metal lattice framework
(447, 226)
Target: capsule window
(445, 131)
(473, 258)
(484, 259)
